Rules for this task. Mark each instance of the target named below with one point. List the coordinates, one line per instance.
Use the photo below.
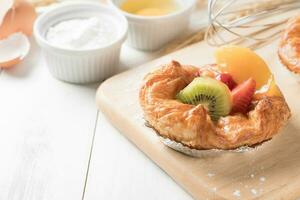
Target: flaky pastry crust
(289, 47)
(191, 125)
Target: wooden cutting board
(269, 172)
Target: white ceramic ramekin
(80, 66)
(151, 33)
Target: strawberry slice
(242, 96)
(198, 73)
(227, 79)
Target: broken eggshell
(19, 18)
(13, 49)
(6, 5)
(16, 21)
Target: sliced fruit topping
(211, 93)
(270, 89)
(227, 79)
(242, 96)
(242, 63)
(198, 73)
(211, 71)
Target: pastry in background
(289, 47)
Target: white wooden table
(55, 145)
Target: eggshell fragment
(13, 49)
(19, 18)
(4, 8)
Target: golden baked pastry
(192, 126)
(289, 47)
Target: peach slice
(270, 89)
(242, 63)
(13, 49)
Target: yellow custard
(150, 7)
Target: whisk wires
(252, 24)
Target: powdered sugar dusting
(236, 193)
(253, 191)
(262, 179)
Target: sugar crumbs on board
(262, 179)
(254, 191)
(237, 193)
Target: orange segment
(242, 63)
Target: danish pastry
(193, 124)
(289, 47)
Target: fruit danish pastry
(226, 105)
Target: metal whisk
(246, 22)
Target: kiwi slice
(211, 93)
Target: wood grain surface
(270, 172)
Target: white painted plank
(46, 129)
(119, 170)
